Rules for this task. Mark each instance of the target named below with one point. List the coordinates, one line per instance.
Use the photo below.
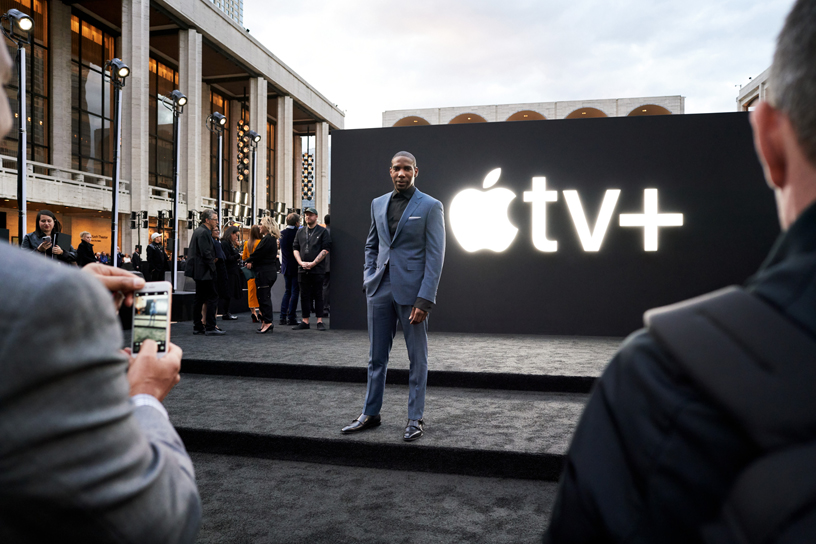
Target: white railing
(52, 174)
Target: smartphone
(151, 316)
(46, 239)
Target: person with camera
(42, 239)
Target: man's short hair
(327, 220)
(208, 214)
(793, 74)
(406, 155)
(83, 233)
(292, 219)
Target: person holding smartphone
(42, 239)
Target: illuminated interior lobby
(189, 45)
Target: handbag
(248, 273)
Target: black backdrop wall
(704, 166)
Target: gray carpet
(521, 421)
(508, 353)
(258, 501)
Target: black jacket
(289, 265)
(232, 258)
(266, 254)
(202, 254)
(85, 253)
(656, 457)
(157, 262)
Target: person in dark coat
(702, 428)
(229, 243)
(289, 269)
(264, 262)
(85, 252)
(47, 226)
(202, 255)
(157, 261)
(136, 259)
(222, 277)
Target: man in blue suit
(404, 253)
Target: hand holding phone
(45, 245)
(151, 316)
(151, 375)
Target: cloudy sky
(369, 56)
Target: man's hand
(307, 266)
(119, 282)
(418, 316)
(151, 375)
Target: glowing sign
(650, 220)
(472, 210)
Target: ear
(767, 123)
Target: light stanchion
(254, 138)
(215, 124)
(118, 73)
(175, 102)
(19, 30)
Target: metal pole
(219, 203)
(177, 146)
(254, 183)
(117, 128)
(22, 146)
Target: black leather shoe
(362, 423)
(229, 317)
(215, 332)
(415, 429)
(255, 319)
(292, 322)
(198, 331)
(282, 322)
(262, 331)
(321, 327)
(301, 326)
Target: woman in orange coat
(252, 292)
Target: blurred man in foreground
(703, 426)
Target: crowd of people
(220, 262)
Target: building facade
(233, 8)
(752, 92)
(189, 45)
(573, 109)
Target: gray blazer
(77, 462)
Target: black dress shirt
(396, 207)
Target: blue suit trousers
(383, 313)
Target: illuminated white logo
(473, 212)
(650, 219)
(473, 217)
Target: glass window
(91, 97)
(163, 81)
(36, 83)
(220, 104)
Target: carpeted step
(258, 501)
(515, 434)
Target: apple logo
(479, 218)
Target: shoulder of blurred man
(78, 458)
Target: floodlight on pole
(215, 123)
(18, 20)
(118, 72)
(175, 102)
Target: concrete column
(135, 51)
(257, 122)
(284, 179)
(193, 145)
(205, 159)
(59, 58)
(297, 169)
(322, 169)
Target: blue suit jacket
(416, 253)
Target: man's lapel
(382, 219)
(412, 205)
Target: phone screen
(150, 319)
